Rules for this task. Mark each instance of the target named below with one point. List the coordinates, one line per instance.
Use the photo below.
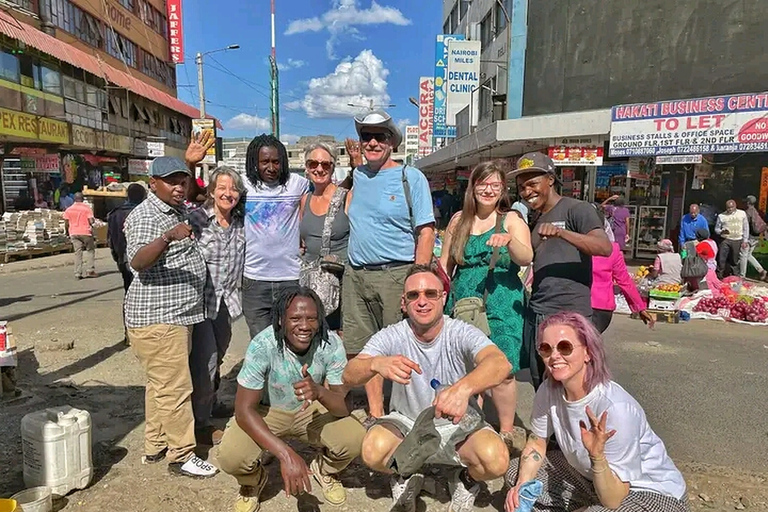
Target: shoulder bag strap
(494, 257)
(408, 201)
(333, 209)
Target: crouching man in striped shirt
(163, 302)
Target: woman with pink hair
(611, 459)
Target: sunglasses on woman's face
(430, 294)
(380, 137)
(564, 348)
(314, 164)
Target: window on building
(24, 4)
(51, 79)
(69, 87)
(454, 19)
(9, 66)
(77, 22)
(447, 26)
(29, 72)
(501, 20)
(122, 48)
(152, 17)
(487, 90)
(128, 4)
(463, 8)
(486, 31)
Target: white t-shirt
(272, 230)
(635, 453)
(449, 357)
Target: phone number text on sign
(732, 124)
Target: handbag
(323, 274)
(472, 310)
(694, 266)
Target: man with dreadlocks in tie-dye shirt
(271, 229)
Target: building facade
(87, 94)
(572, 66)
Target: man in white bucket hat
(392, 226)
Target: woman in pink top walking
(605, 272)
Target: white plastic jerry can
(57, 449)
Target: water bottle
(471, 417)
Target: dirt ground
(48, 310)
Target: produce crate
(667, 317)
(659, 294)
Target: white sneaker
(463, 499)
(405, 491)
(195, 467)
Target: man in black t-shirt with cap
(565, 235)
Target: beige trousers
(163, 351)
(85, 243)
(340, 439)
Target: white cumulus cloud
(248, 122)
(291, 64)
(357, 81)
(288, 138)
(342, 18)
(402, 123)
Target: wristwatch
(165, 239)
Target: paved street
(702, 385)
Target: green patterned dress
(505, 293)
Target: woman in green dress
(469, 242)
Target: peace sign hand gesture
(596, 436)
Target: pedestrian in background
(732, 225)
(473, 234)
(320, 161)
(689, 224)
(757, 229)
(115, 235)
(220, 234)
(79, 220)
(162, 304)
(391, 227)
(618, 216)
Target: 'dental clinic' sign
(463, 78)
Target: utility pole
(274, 82)
(201, 91)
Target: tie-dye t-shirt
(272, 230)
(267, 369)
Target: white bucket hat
(379, 119)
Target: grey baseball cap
(379, 119)
(164, 166)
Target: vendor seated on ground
(426, 346)
(280, 394)
(609, 457)
(667, 265)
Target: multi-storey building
(86, 88)
(555, 76)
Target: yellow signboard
(20, 124)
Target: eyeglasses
(494, 186)
(564, 348)
(313, 164)
(380, 137)
(430, 294)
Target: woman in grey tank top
(320, 160)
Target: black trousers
(601, 318)
(728, 258)
(125, 271)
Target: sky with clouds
(330, 53)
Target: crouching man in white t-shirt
(610, 458)
(426, 346)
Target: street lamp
(414, 102)
(199, 62)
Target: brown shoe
(92, 274)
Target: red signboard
(175, 32)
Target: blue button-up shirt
(689, 225)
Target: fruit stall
(738, 302)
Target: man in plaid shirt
(162, 304)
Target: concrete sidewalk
(55, 261)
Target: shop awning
(35, 38)
(513, 137)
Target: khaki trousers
(85, 243)
(340, 439)
(163, 351)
